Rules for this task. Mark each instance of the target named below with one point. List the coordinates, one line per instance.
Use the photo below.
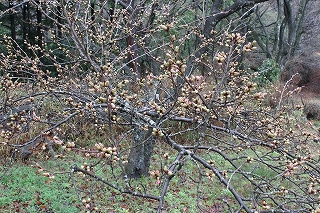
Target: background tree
(278, 28)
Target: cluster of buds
(249, 46)
(250, 86)
(69, 101)
(86, 167)
(233, 71)
(200, 108)
(184, 102)
(210, 175)
(195, 78)
(122, 84)
(14, 126)
(167, 171)
(271, 134)
(124, 159)
(159, 109)
(69, 145)
(112, 100)
(89, 203)
(177, 67)
(211, 162)
(225, 94)
(317, 210)
(224, 173)
(292, 166)
(157, 132)
(7, 84)
(107, 68)
(165, 27)
(155, 174)
(259, 96)
(235, 38)
(107, 152)
(166, 156)
(195, 103)
(220, 58)
(41, 170)
(95, 88)
(313, 188)
(14, 116)
(283, 191)
(6, 134)
(286, 141)
(115, 118)
(249, 159)
(239, 149)
(172, 66)
(47, 174)
(265, 205)
(89, 105)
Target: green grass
(23, 190)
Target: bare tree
(197, 116)
(278, 28)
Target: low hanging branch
(208, 132)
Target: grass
(23, 190)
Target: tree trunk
(25, 22)
(92, 13)
(133, 55)
(39, 29)
(140, 153)
(299, 20)
(12, 22)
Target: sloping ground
(310, 48)
(311, 95)
(312, 88)
(306, 72)
(308, 78)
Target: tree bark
(140, 153)
(293, 27)
(12, 21)
(24, 22)
(39, 28)
(133, 55)
(299, 20)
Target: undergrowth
(25, 188)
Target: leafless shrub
(101, 81)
